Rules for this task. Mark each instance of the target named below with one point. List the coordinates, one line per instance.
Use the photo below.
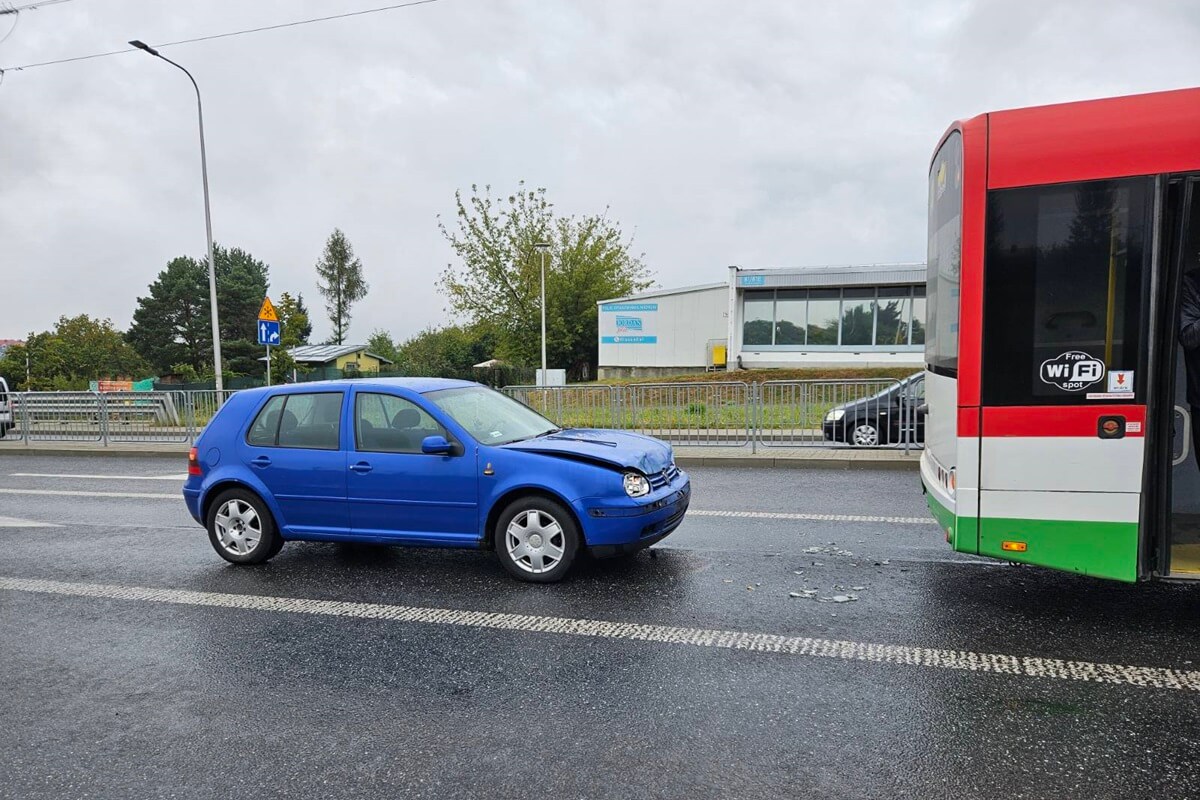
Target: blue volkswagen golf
(426, 462)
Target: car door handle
(261, 461)
(361, 467)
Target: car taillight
(193, 463)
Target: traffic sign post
(268, 330)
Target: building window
(854, 317)
(858, 317)
(824, 308)
(759, 311)
(918, 315)
(893, 315)
(791, 316)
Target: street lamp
(543, 247)
(212, 267)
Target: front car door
(294, 448)
(398, 492)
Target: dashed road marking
(180, 478)
(932, 658)
(811, 517)
(73, 493)
(14, 522)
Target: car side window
(385, 423)
(311, 421)
(266, 424)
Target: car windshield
(490, 417)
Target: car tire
(864, 434)
(241, 529)
(536, 539)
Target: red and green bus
(1063, 335)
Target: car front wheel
(241, 529)
(536, 540)
(865, 434)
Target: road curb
(61, 451)
(797, 463)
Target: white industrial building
(855, 316)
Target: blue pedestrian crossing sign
(268, 333)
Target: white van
(6, 413)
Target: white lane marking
(13, 522)
(811, 517)
(69, 493)
(181, 478)
(994, 663)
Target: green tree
(381, 344)
(172, 325)
(78, 350)
(497, 284)
(341, 283)
(294, 321)
(294, 330)
(448, 352)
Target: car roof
(419, 385)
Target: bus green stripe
(1102, 549)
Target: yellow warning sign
(267, 312)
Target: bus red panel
(1143, 134)
(1059, 420)
(974, 206)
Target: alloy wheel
(535, 541)
(866, 435)
(239, 528)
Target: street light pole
(543, 247)
(212, 266)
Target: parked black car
(888, 417)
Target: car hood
(617, 448)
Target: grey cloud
(723, 132)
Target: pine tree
(341, 283)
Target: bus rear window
(945, 256)
(1065, 275)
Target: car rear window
(310, 421)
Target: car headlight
(835, 415)
(636, 485)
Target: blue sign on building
(629, 323)
(268, 333)
(753, 280)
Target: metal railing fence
(807, 413)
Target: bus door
(1066, 302)
(1177, 473)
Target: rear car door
(396, 491)
(294, 448)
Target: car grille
(660, 479)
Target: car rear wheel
(536, 540)
(865, 434)
(240, 528)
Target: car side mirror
(923, 410)
(436, 446)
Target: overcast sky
(764, 134)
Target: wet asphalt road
(107, 697)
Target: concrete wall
(656, 331)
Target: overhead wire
(225, 35)
(16, 21)
(8, 8)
